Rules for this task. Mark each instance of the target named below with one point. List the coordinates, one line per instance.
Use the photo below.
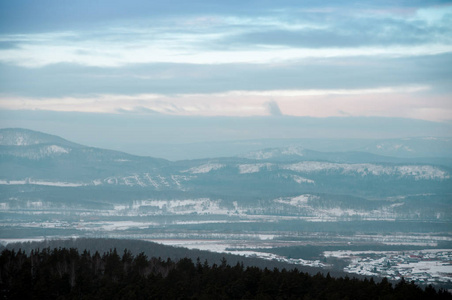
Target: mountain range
(47, 175)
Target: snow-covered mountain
(414, 147)
(29, 157)
(25, 137)
(40, 168)
(411, 147)
(366, 155)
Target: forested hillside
(67, 274)
(164, 252)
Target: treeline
(152, 249)
(67, 274)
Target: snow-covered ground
(139, 180)
(299, 201)
(418, 172)
(423, 266)
(301, 207)
(206, 168)
(300, 179)
(252, 168)
(236, 247)
(308, 212)
(183, 206)
(41, 182)
(5, 242)
(114, 225)
(430, 266)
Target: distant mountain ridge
(26, 153)
(72, 160)
(376, 151)
(296, 153)
(50, 187)
(26, 137)
(291, 180)
(15, 139)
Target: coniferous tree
(65, 274)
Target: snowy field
(421, 266)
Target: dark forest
(63, 273)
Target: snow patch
(56, 149)
(187, 206)
(5, 242)
(113, 226)
(221, 246)
(40, 182)
(206, 168)
(419, 172)
(429, 265)
(300, 180)
(299, 201)
(252, 168)
(57, 183)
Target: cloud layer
(382, 102)
(315, 59)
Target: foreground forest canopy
(66, 274)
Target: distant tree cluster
(66, 274)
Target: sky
(178, 63)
